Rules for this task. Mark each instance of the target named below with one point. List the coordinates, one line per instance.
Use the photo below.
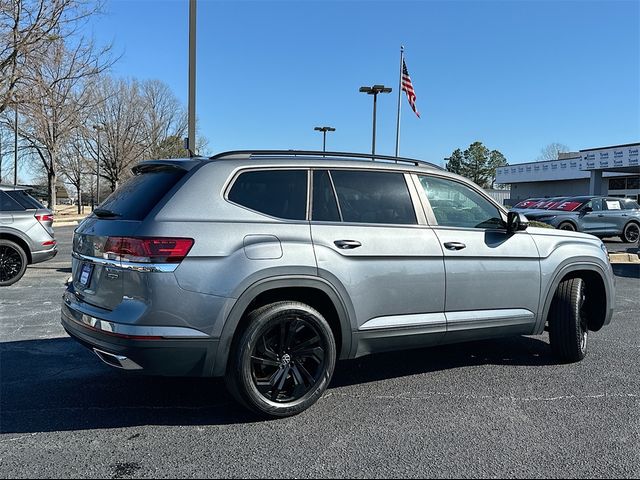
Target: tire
(283, 361)
(568, 327)
(631, 233)
(570, 227)
(13, 262)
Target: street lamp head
(325, 129)
(376, 89)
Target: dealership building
(612, 171)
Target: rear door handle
(454, 245)
(601, 216)
(347, 244)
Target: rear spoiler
(159, 165)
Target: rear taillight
(148, 250)
(45, 219)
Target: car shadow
(58, 385)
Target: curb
(65, 224)
(624, 258)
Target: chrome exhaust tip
(117, 361)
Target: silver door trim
(472, 319)
(436, 320)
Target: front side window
(277, 193)
(374, 197)
(456, 205)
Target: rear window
(277, 193)
(137, 197)
(24, 199)
(630, 205)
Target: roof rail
(235, 154)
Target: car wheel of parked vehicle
(631, 233)
(567, 226)
(568, 328)
(284, 360)
(13, 263)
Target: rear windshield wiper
(104, 213)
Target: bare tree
(121, 127)
(60, 101)
(75, 167)
(552, 151)
(165, 121)
(27, 30)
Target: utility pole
(97, 128)
(375, 90)
(191, 142)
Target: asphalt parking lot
(499, 408)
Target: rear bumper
(142, 349)
(44, 255)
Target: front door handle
(347, 244)
(454, 245)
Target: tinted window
(595, 204)
(137, 197)
(278, 193)
(8, 204)
(325, 207)
(373, 197)
(24, 199)
(456, 205)
(631, 205)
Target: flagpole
(399, 101)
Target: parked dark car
(26, 233)
(599, 216)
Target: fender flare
(12, 232)
(562, 272)
(299, 281)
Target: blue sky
(516, 75)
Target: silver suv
(268, 266)
(26, 233)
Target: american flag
(407, 86)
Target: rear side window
(325, 207)
(277, 193)
(373, 197)
(137, 197)
(24, 199)
(8, 204)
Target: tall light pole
(374, 90)
(15, 146)
(324, 131)
(98, 128)
(191, 142)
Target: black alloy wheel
(288, 360)
(568, 226)
(13, 263)
(631, 233)
(283, 361)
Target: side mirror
(586, 210)
(516, 222)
